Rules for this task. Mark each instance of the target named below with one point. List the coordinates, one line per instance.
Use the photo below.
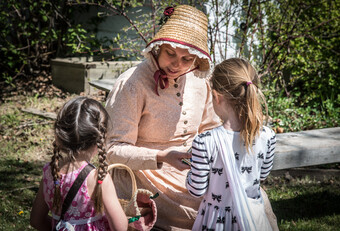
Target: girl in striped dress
(230, 161)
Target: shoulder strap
(239, 196)
(74, 188)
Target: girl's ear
(216, 96)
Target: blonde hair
(81, 124)
(237, 80)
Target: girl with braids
(80, 131)
(228, 162)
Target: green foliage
(302, 49)
(145, 23)
(295, 44)
(20, 22)
(287, 115)
(32, 32)
(78, 40)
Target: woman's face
(174, 61)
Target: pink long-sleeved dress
(144, 123)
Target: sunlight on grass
(326, 223)
(26, 142)
(305, 203)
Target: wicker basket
(125, 202)
(140, 199)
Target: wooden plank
(49, 115)
(307, 148)
(103, 84)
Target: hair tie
(57, 182)
(100, 181)
(249, 82)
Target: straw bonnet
(186, 27)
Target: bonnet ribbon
(161, 78)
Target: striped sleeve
(268, 161)
(198, 177)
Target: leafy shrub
(33, 32)
(287, 115)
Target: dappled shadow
(19, 183)
(16, 174)
(309, 205)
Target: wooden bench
(103, 84)
(307, 148)
(294, 149)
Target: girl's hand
(174, 158)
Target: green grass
(25, 141)
(19, 182)
(305, 204)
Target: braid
(80, 126)
(56, 176)
(102, 170)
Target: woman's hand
(174, 158)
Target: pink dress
(81, 213)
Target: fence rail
(307, 148)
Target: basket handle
(132, 175)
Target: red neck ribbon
(161, 79)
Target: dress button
(185, 144)
(178, 94)
(185, 121)
(175, 85)
(184, 112)
(180, 103)
(185, 131)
